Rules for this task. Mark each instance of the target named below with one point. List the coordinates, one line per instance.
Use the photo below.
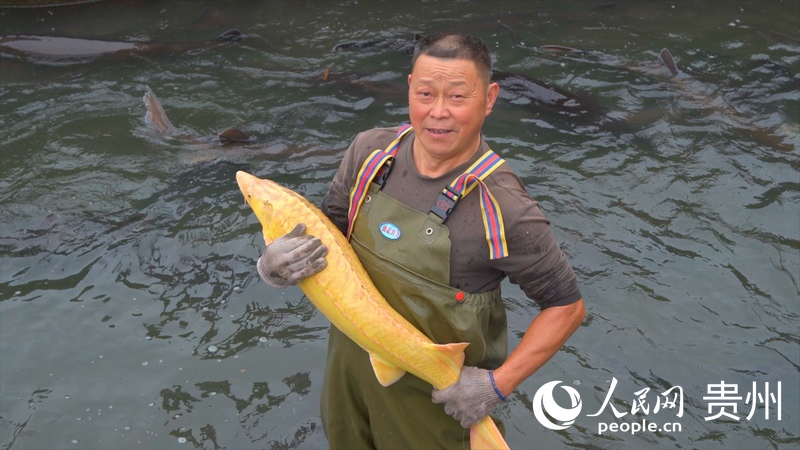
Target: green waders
(412, 271)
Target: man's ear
(491, 96)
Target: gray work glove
(469, 399)
(291, 257)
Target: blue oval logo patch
(390, 231)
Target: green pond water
(131, 314)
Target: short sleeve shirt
(535, 261)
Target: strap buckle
(383, 173)
(445, 203)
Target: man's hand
(291, 257)
(471, 398)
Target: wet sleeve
(336, 203)
(535, 262)
(337, 200)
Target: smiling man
(448, 101)
(438, 221)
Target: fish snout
(233, 35)
(233, 135)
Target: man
(438, 221)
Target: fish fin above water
(485, 435)
(386, 373)
(156, 117)
(668, 61)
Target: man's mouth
(439, 131)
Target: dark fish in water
(397, 45)
(707, 96)
(702, 94)
(66, 49)
(576, 108)
(385, 84)
(774, 35)
(357, 45)
(560, 48)
(156, 118)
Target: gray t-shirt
(534, 262)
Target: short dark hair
(455, 46)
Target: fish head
(264, 197)
(231, 135)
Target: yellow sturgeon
(345, 294)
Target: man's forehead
(453, 68)
(456, 68)
(433, 60)
(452, 80)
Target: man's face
(447, 104)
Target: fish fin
(454, 353)
(669, 61)
(485, 435)
(156, 117)
(386, 373)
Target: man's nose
(440, 108)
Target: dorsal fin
(669, 61)
(454, 353)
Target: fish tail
(485, 435)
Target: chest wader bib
(407, 255)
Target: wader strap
(461, 186)
(377, 168)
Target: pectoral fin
(386, 373)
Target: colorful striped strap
(378, 164)
(404, 129)
(492, 217)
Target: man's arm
(548, 331)
(477, 390)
